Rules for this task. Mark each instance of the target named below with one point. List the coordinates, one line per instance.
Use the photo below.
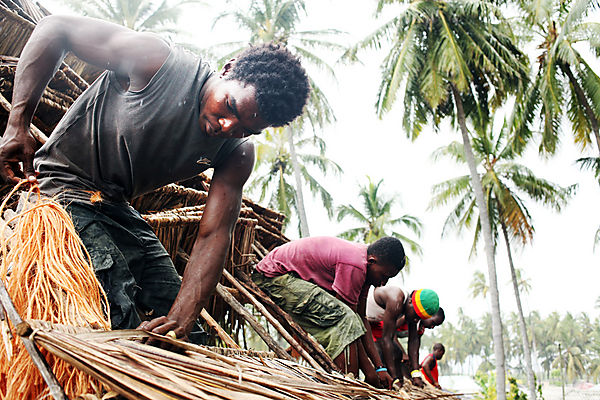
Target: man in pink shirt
(322, 282)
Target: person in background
(389, 304)
(429, 366)
(400, 357)
(322, 282)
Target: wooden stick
(220, 331)
(263, 310)
(262, 332)
(314, 347)
(35, 132)
(23, 329)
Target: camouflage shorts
(331, 322)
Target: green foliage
(514, 393)
(505, 184)
(487, 386)
(478, 285)
(273, 179)
(556, 377)
(376, 218)
(564, 84)
(468, 341)
(440, 45)
(140, 15)
(538, 388)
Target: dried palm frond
(138, 371)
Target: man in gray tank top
(156, 116)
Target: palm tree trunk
(489, 248)
(299, 195)
(522, 326)
(584, 101)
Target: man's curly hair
(280, 81)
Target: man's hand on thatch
(163, 326)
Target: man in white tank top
(385, 306)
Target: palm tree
(276, 21)
(275, 173)
(565, 83)
(139, 15)
(478, 285)
(452, 59)
(376, 220)
(592, 163)
(504, 182)
(523, 283)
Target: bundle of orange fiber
(49, 276)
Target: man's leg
(110, 258)
(348, 359)
(331, 322)
(155, 273)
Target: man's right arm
(390, 315)
(414, 342)
(134, 56)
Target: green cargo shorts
(331, 322)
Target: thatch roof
(138, 371)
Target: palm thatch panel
(17, 20)
(61, 92)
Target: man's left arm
(206, 262)
(367, 341)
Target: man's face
(228, 109)
(378, 274)
(430, 323)
(438, 354)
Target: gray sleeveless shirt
(126, 143)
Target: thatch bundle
(138, 371)
(61, 92)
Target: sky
(560, 263)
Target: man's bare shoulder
(236, 169)
(389, 296)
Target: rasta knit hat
(425, 302)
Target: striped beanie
(425, 302)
